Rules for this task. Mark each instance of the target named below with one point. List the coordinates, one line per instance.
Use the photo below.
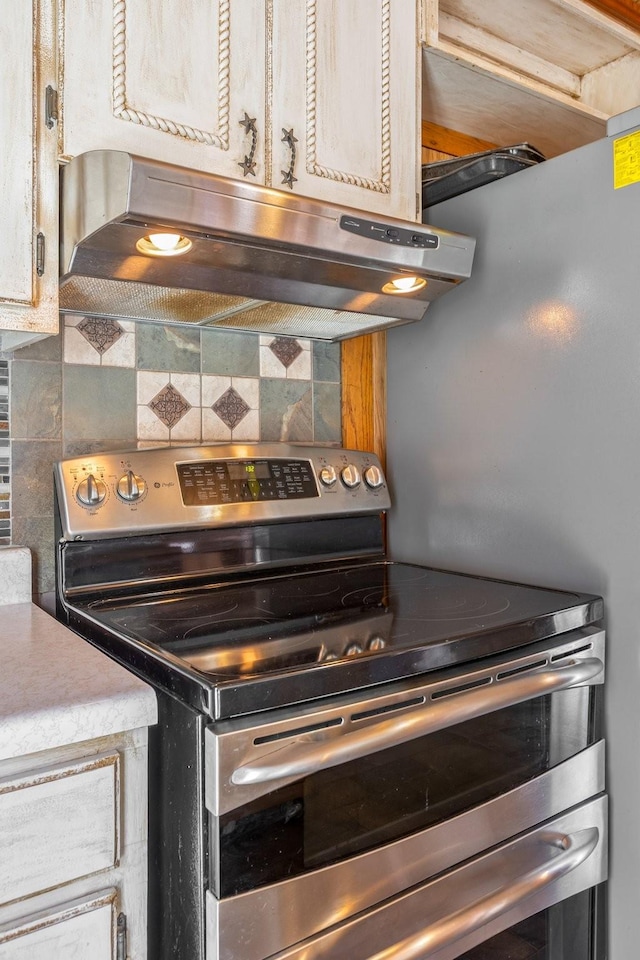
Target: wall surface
(513, 434)
(109, 385)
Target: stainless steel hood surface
(261, 259)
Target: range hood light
(164, 245)
(404, 285)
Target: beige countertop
(57, 689)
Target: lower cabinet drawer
(57, 825)
(80, 930)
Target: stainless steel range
(355, 757)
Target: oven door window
(360, 805)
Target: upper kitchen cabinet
(345, 102)
(318, 97)
(550, 72)
(28, 175)
(180, 82)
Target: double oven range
(355, 758)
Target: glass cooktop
(366, 614)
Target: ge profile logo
(157, 485)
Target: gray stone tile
(99, 404)
(326, 361)
(230, 354)
(161, 347)
(32, 469)
(327, 413)
(50, 348)
(37, 533)
(36, 400)
(286, 410)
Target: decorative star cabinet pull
(249, 164)
(287, 175)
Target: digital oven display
(251, 470)
(238, 481)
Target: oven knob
(91, 491)
(328, 476)
(352, 650)
(131, 487)
(373, 477)
(350, 476)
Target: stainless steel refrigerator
(514, 425)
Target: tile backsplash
(105, 384)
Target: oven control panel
(246, 481)
(139, 491)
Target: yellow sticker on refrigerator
(626, 160)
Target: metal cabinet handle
(304, 755)
(575, 850)
(249, 163)
(287, 175)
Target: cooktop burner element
(281, 593)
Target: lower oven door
(536, 897)
(317, 814)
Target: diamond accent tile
(286, 350)
(100, 332)
(231, 408)
(169, 405)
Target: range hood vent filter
(132, 301)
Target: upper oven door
(339, 806)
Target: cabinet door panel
(58, 825)
(345, 80)
(78, 931)
(164, 79)
(16, 170)
(28, 174)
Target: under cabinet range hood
(147, 240)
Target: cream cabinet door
(182, 82)
(58, 824)
(79, 930)
(345, 102)
(28, 171)
(73, 850)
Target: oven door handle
(576, 848)
(305, 755)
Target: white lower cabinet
(73, 852)
(83, 930)
(57, 825)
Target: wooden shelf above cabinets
(438, 143)
(546, 72)
(627, 11)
